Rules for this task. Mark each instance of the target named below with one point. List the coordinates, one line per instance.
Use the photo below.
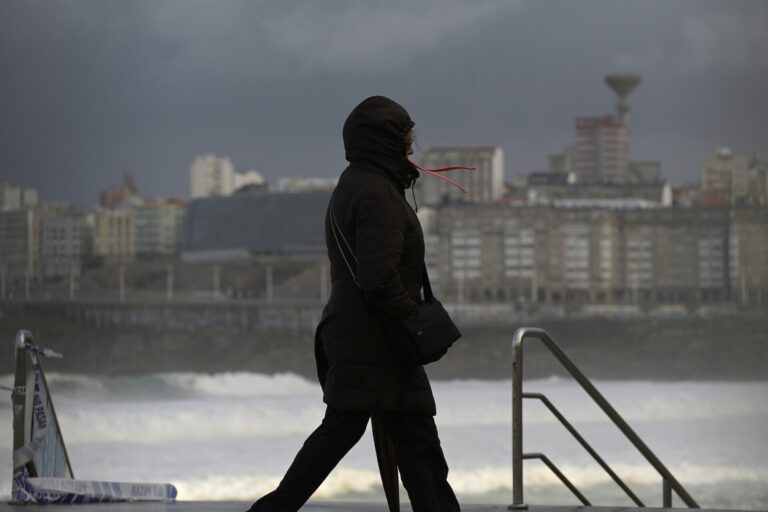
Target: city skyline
(98, 87)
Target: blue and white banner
(68, 491)
(41, 469)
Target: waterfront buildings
(20, 241)
(125, 195)
(484, 185)
(158, 227)
(279, 224)
(211, 175)
(548, 187)
(602, 150)
(730, 177)
(65, 245)
(249, 180)
(726, 174)
(306, 184)
(114, 236)
(16, 198)
(601, 253)
(601, 155)
(19, 254)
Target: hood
(373, 135)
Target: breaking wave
(175, 384)
(470, 483)
(230, 436)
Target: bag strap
(351, 261)
(337, 233)
(428, 296)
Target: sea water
(231, 436)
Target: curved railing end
(21, 338)
(523, 332)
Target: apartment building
(598, 254)
(19, 239)
(114, 235)
(602, 150)
(158, 226)
(483, 185)
(726, 174)
(211, 175)
(16, 198)
(65, 244)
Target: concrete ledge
(317, 506)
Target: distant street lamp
(270, 291)
(72, 283)
(169, 283)
(216, 281)
(122, 282)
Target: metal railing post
(517, 422)
(667, 493)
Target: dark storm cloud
(91, 87)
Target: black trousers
(420, 460)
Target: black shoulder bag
(415, 340)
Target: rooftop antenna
(622, 84)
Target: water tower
(622, 84)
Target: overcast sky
(91, 87)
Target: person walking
(360, 375)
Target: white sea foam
(462, 402)
(175, 384)
(232, 435)
(465, 482)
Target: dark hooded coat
(356, 365)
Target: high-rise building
(758, 181)
(158, 227)
(211, 175)
(20, 240)
(748, 255)
(114, 235)
(483, 185)
(16, 198)
(249, 180)
(602, 150)
(19, 256)
(565, 161)
(65, 242)
(726, 174)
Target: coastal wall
(295, 316)
(220, 337)
(237, 316)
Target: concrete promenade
(318, 506)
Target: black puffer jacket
(355, 363)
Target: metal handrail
(575, 433)
(670, 483)
(559, 474)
